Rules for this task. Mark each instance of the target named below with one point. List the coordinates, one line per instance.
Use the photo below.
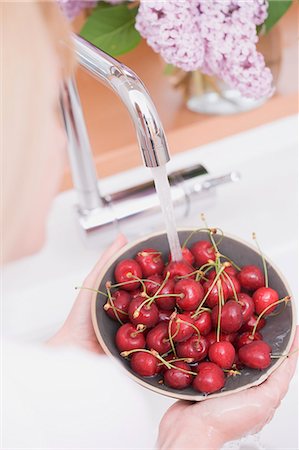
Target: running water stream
(164, 194)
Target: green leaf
(169, 69)
(276, 9)
(112, 28)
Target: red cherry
(145, 364)
(124, 271)
(203, 322)
(166, 303)
(195, 347)
(135, 293)
(230, 270)
(251, 278)
(177, 379)
(231, 317)
(246, 338)
(178, 269)
(129, 338)
(203, 252)
(150, 261)
(148, 314)
(192, 292)
(121, 300)
(152, 284)
(187, 256)
(212, 337)
(164, 316)
(180, 330)
(157, 338)
(213, 298)
(223, 354)
(263, 298)
(255, 355)
(232, 285)
(210, 378)
(249, 325)
(247, 306)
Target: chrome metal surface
(127, 85)
(80, 155)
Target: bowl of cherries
(219, 320)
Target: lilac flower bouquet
(216, 37)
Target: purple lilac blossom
(71, 8)
(217, 37)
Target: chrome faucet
(94, 210)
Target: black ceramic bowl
(278, 332)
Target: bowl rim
(174, 395)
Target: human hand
(211, 423)
(78, 329)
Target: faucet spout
(127, 85)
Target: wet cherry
(246, 338)
(247, 306)
(222, 353)
(148, 314)
(125, 271)
(195, 347)
(255, 355)
(178, 269)
(249, 325)
(231, 317)
(192, 293)
(166, 303)
(158, 339)
(213, 297)
(264, 297)
(121, 300)
(251, 278)
(180, 328)
(177, 379)
(150, 261)
(187, 256)
(210, 378)
(203, 322)
(144, 364)
(203, 251)
(129, 337)
(152, 284)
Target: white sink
(39, 291)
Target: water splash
(163, 191)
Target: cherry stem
(108, 306)
(192, 234)
(203, 269)
(187, 360)
(91, 289)
(220, 300)
(125, 354)
(231, 284)
(211, 232)
(141, 281)
(284, 356)
(197, 272)
(263, 260)
(232, 372)
(209, 290)
(285, 299)
(230, 260)
(113, 306)
(139, 329)
(150, 300)
(148, 253)
(191, 325)
(171, 337)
